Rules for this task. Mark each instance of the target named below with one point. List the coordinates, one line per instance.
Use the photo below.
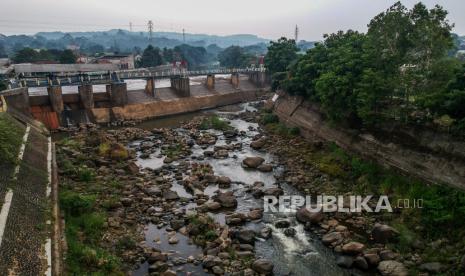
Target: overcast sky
(265, 18)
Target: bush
(85, 174)
(269, 118)
(76, 204)
(214, 122)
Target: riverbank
(189, 200)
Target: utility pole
(184, 36)
(130, 27)
(296, 34)
(150, 25)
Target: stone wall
(433, 157)
(148, 110)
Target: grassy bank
(86, 200)
(11, 134)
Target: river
(302, 254)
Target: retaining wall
(433, 157)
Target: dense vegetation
(29, 55)
(400, 70)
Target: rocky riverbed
(188, 200)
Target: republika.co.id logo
(331, 204)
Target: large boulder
(224, 181)
(333, 237)
(227, 199)
(392, 268)
(170, 195)
(304, 215)
(353, 248)
(253, 162)
(263, 266)
(265, 168)
(258, 144)
(245, 236)
(383, 233)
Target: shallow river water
(302, 254)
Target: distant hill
(124, 41)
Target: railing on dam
(107, 77)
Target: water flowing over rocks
(192, 199)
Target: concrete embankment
(153, 109)
(431, 156)
(25, 223)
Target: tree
(26, 55)
(280, 55)
(151, 57)
(234, 57)
(67, 57)
(194, 56)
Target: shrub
(76, 204)
(214, 122)
(269, 118)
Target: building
(124, 62)
(31, 70)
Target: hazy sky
(266, 18)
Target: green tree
(234, 57)
(151, 57)
(67, 57)
(26, 55)
(194, 56)
(280, 55)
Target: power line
(183, 35)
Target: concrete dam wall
(154, 109)
(433, 157)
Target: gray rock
(290, 232)
(392, 268)
(383, 233)
(177, 224)
(282, 223)
(170, 195)
(258, 144)
(361, 263)
(333, 237)
(304, 215)
(387, 255)
(265, 232)
(158, 266)
(265, 168)
(373, 259)
(344, 261)
(353, 248)
(210, 261)
(217, 270)
(263, 266)
(224, 181)
(253, 162)
(245, 236)
(227, 199)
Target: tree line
(29, 55)
(402, 69)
